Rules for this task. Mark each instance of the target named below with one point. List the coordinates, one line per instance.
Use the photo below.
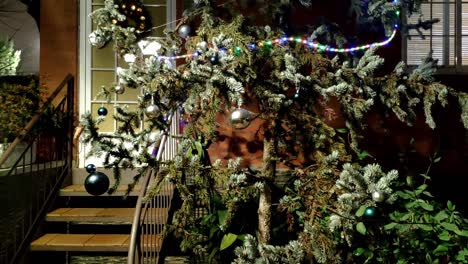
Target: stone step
(92, 242)
(105, 215)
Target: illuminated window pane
(100, 78)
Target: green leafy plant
(420, 230)
(432, 231)
(19, 100)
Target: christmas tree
(317, 196)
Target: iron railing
(35, 178)
(151, 214)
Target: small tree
(339, 205)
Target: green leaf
(406, 217)
(359, 251)
(450, 227)
(442, 215)
(409, 180)
(462, 255)
(444, 236)
(342, 130)
(228, 240)
(363, 155)
(463, 233)
(241, 237)
(222, 216)
(437, 159)
(390, 226)
(361, 228)
(425, 227)
(361, 210)
(421, 188)
(440, 250)
(404, 195)
(450, 206)
(428, 194)
(425, 205)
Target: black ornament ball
(147, 96)
(214, 59)
(97, 183)
(102, 111)
(90, 168)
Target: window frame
(86, 69)
(446, 68)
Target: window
(448, 39)
(98, 67)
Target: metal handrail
(58, 166)
(142, 208)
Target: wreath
(125, 21)
(136, 16)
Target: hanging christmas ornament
(241, 118)
(102, 111)
(298, 89)
(119, 89)
(184, 31)
(237, 51)
(152, 111)
(369, 212)
(96, 183)
(378, 196)
(90, 168)
(147, 96)
(96, 40)
(182, 124)
(214, 59)
(202, 46)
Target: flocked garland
(124, 22)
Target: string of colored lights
(284, 40)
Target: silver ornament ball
(378, 196)
(152, 111)
(241, 118)
(119, 89)
(96, 40)
(184, 31)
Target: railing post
(71, 116)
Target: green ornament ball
(370, 212)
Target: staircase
(93, 229)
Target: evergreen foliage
(320, 215)
(10, 58)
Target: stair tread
(91, 242)
(120, 215)
(79, 190)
